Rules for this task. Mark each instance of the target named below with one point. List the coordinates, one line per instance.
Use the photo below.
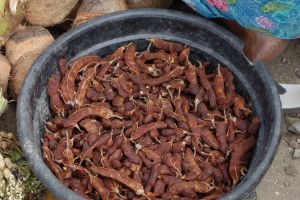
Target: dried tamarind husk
(238, 155)
(84, 85)
(118, 176)
(56, 104)
(179, 187)
(68, 82)
(142, 130)
(88, 111)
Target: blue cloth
(278, 18)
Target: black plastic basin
(207, 40)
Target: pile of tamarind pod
(147, 125)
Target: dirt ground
(283, 178)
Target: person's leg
(260, 24)
(258, 47)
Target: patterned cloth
(278, 18)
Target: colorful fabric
(278, 18)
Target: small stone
(287, 183)
(283, 60)
(295, 128)
(298, 140)
(291, 170)
(296, 153)
(277, 193)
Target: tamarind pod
(98, 185)
(131, 129)
(123, 86)
(118, 101)
(218, 85)
(84, 85)
(178, 147)
(229, 85)
(238, 155)
(239, 106)
(116, 155)
(129, 57)
(142, 65)
(216, 157)
(142, 130)
(97, 86)
(192, 122)
(137, 177)
(159, 187)
(183, 57)
(169, 160)
(168, 110)
(62, 65)
(254, 125)
(103, 70)
(49, 157)
(167, 45)
(178, 106)
(168, 132)
(154, 133)
(185, 104)
(217, 175)
(191, 162)
(116, 164)
(156, 55)
(68, 88)
(145, 160)
(88, 152)
(164, 170)
(209, 138)
(152, 155)
(170, 180)
(191, 76)
(171, 123)
(51, 127)
(90, 125)
(130, 153)
(87, 111)
(221, 129)
(118, 140)
(241, 125)
(60, 147)
(117, 55)
(164, 78)
(138, 116)
(145, 141)
(189, 194)
(56, 104)
(149, 111)
(95, 96)
(153, 177)
(225, 169)
(207, 86)
(181, 186)
(145, 174)
(120, 177)
(165, 147)
(184, 126)
(177, 162)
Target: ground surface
(283, 178)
